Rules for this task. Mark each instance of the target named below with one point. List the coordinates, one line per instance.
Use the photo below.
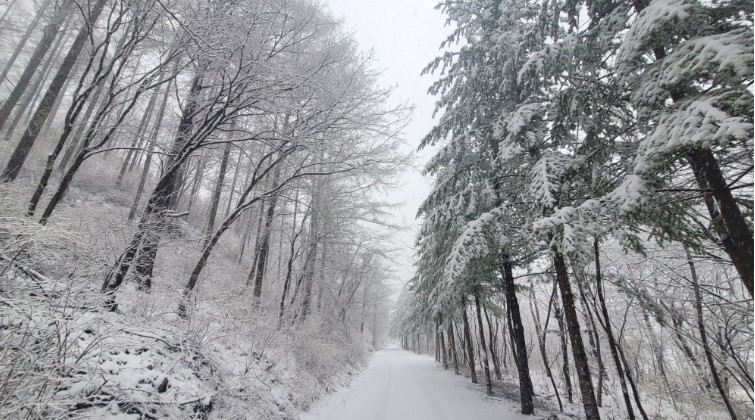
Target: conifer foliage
(569, 131)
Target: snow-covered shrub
(48, 327)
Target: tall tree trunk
(179, 187)
(517, 334)
(77, 105)
(147, 257)
(8, 7)
(594, 340)
(632, 384)
(257, 238)
(164, 190)
(244, 239)
(564, 353)
(290, 263)
(38, 82)
(660, 366)
(148, 159)
(483, 346)
(131, 154)
(18, 157)
(315, 222)
(264, 249)
(468, 340)
(541, 337)
(704, 337)
(452, 345)
(321, 281)
(492, 344)
(243, 205)
(734, 232)
(606, 324)
(578, 349)
(504, 345)
(56, 105)
(57, 18)
(85, 152)
(77, 137)
(443, 348)
(233, 184)
(197, 182)
(210, 228)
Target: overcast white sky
(404, 36)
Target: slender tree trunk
(70, 119)
(18, 157)
(148, 159)
(517, 334)
(612, 344)
(492, 344)
(257, 238)
(504, 346)
(3, 18)
(468, 340)
(131, 154)
(25, 37)
(209, 229)
(299, 283)
(45, 178)
(240, 208)
(244, 239)
(564, 353)
(452, 345)
(321, 281)
(704, 338)
(233, 184)
(541, 339)
(287, 280)
(578, 349)
(38, 81)
(197, 182)
(660, 366)
(75, 145)
(483, 346)
(443, 348)
(290, 263)
(630, 379)
(83, 154)
(315, 224)
(264, 247)
(247, 230)
(56, 105)
(594, 341)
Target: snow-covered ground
(399, 384)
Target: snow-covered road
(399, 384)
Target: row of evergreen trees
(569, 124)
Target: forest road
(400, 385)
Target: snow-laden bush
(49, 330)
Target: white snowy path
(399, 384)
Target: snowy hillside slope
(63, 355)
